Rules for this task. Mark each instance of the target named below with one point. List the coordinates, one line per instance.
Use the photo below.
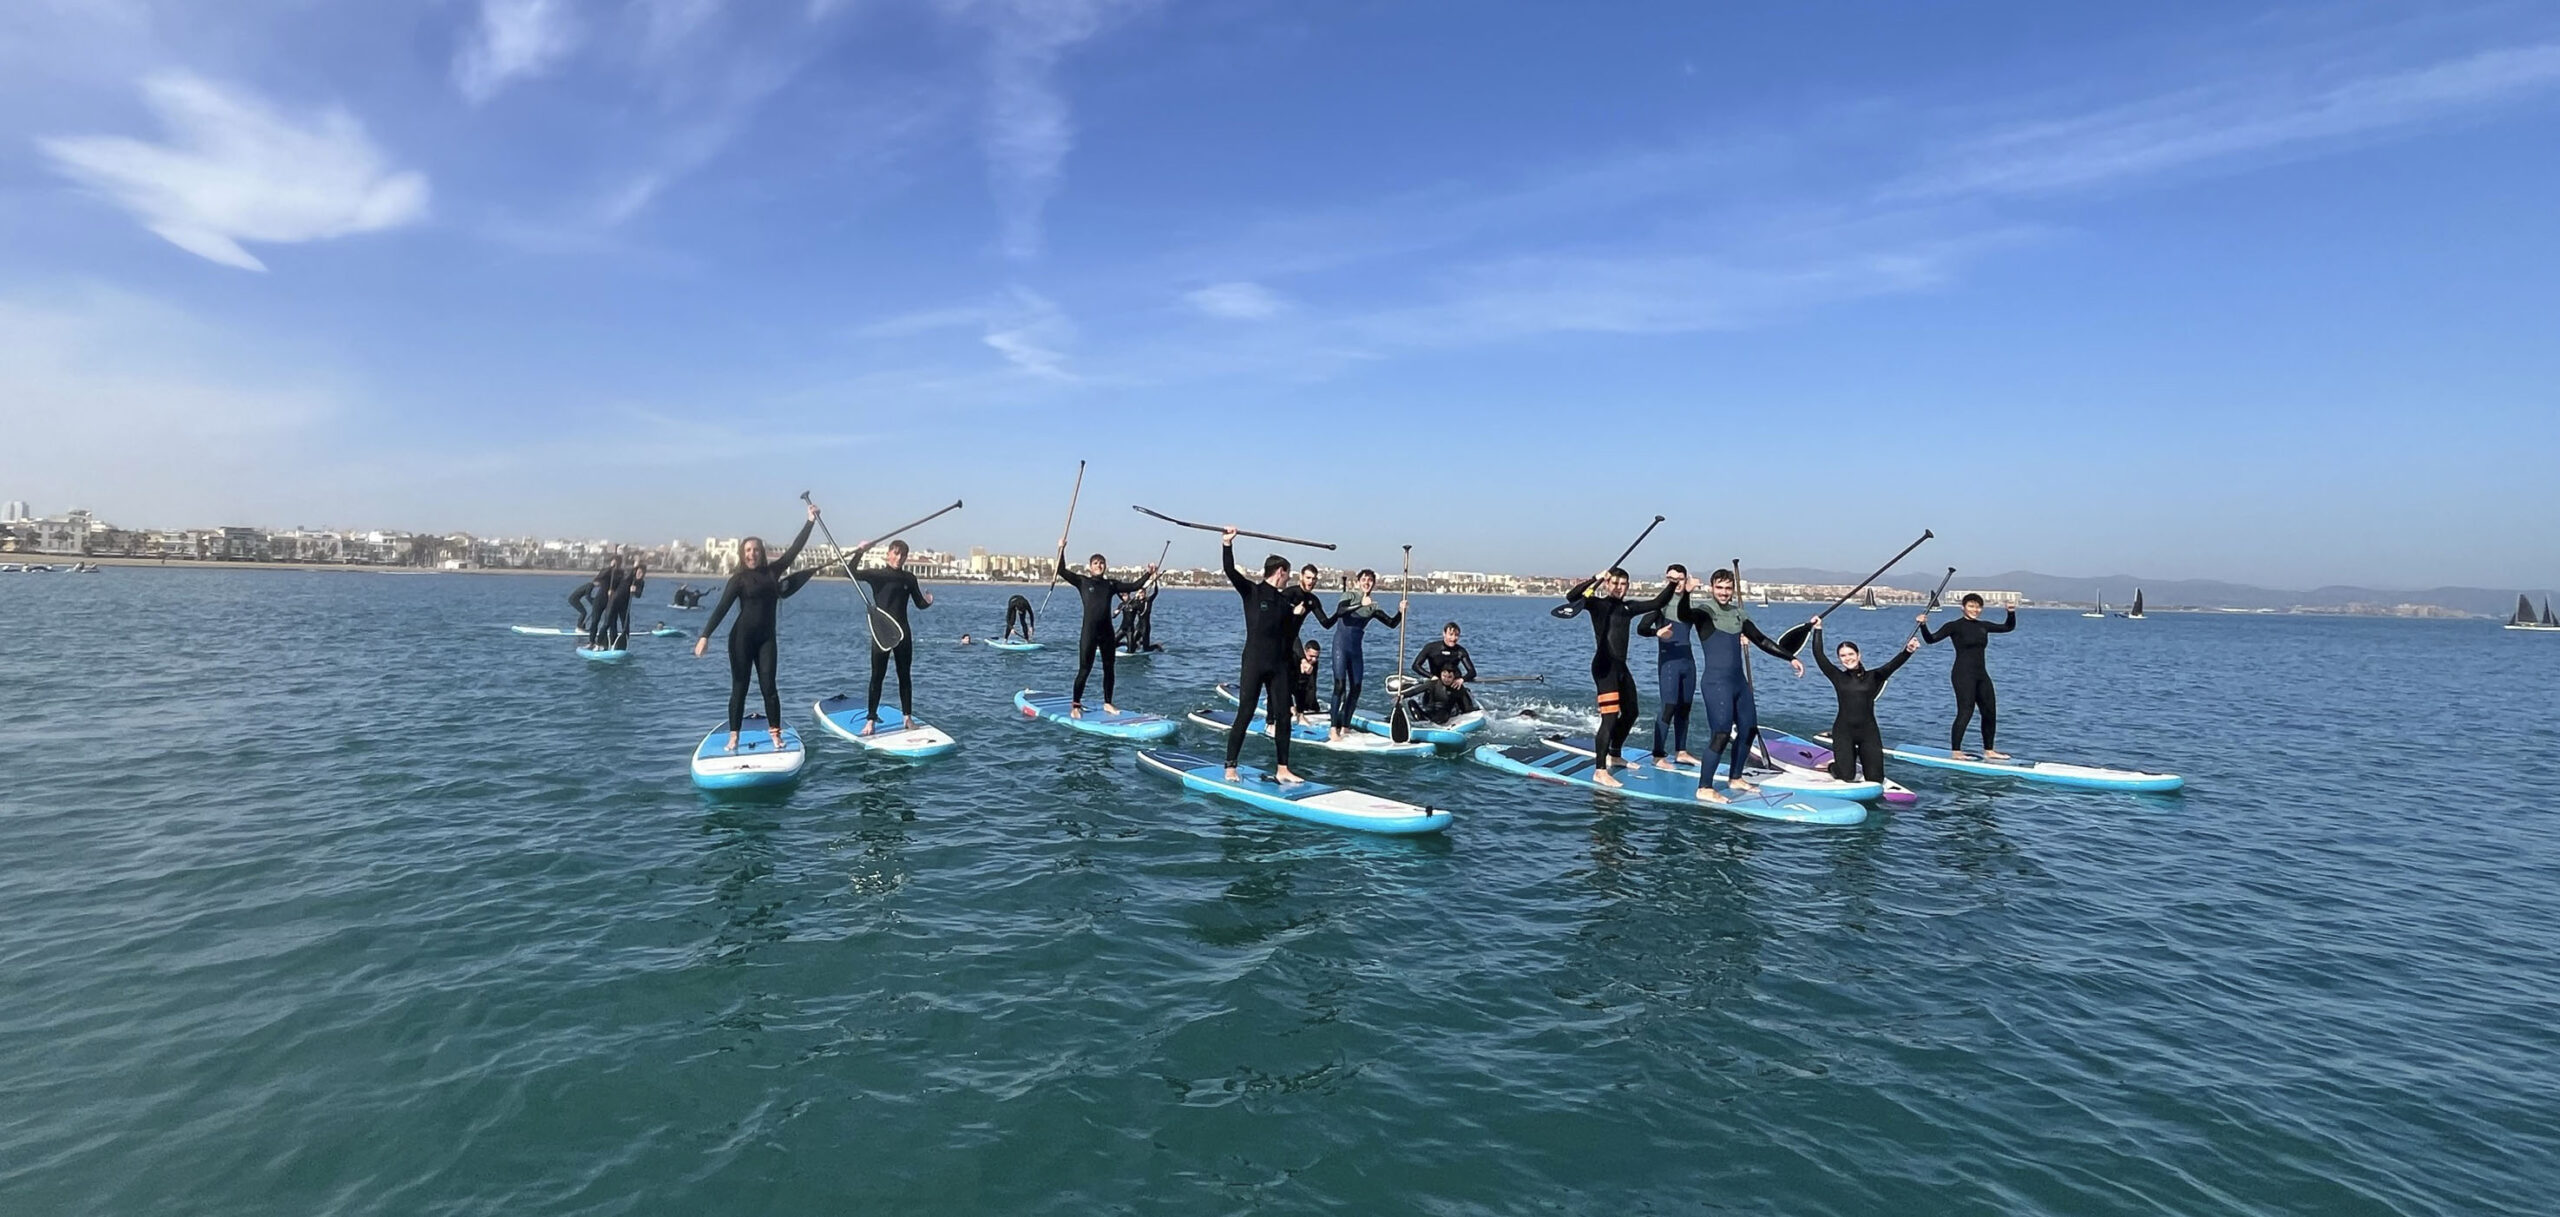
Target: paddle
(883, 625)
(1751, 747)
(1934, 604)
(1399, 723)
(1063, 530)
(1139, 626)
(1570, 609)
(1793, 640)
(1259, 536)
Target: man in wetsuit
(1272, 611)
(892, 590)
(1138, 619)
(1723, 627)
(1604, 597)
(632, 589)
(1675, 671)
(578, 600)
(1441, 699)
(1856, 741)
(1350, 631)
(608, 583)
(1095, 587)
(1444, 654)
(1018, 609)
(1972, 636)
(1303, 702)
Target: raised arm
(1573, 597)
(1822, 655)
(1928, 635)
(1227, 555)
(2005, 626)
(1886, 672)
(784, 563)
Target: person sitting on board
(1017, 609)
(1095, 587)
(892, 589)
(1724, 627)
(1444, 653)
(1856, 742)
(757, 587)
(1972, 636)
(1612, 683)
(1675, 671)
(1302, 682)
(1272, 612)
(1351, 621)
(1442, 699)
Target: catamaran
(1869, 604)
(2136, 614)
(2525, 620)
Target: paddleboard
(1453, 732)
(1652, 783)
(601, 655)
(670, 632)
(1314, 802)
(1124, 725)
(2051, 773)
(894, 735)
(548, 631)
(1765, 777)
(1314, 735)
(1128, 654)
(1794, 752)
(755, 763)
(1012, 644)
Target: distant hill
(2118, 590)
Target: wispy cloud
(1238, 301)
(97, 370)
(235, 170)
(1032, 335)
(2225, 123)
(1028, 128)
(515, 39)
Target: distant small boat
(1869, 604)
(2136, 614)
(2099, 611)
(2525, 620)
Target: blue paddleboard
(1314, 802)
(601, 655)
(1655, 784)
(1012, 644)
(2051, 773)
(1304, 734)
(547, 631)
(1124, 725)
(755, 763)
(1763, 776)
(894, 736)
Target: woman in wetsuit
(1611, 681)
(1724, 627)
(757, 588)
(1856, 742)
(1972, 636)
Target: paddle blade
(885, 632)
(1793, 640)
(1399, 725)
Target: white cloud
(1237, 301)
(515, 39)
(1028, 130)
(235, 170)
(1032, 335)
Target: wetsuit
(1856, 742)
(892, 590)
(611, 583)
(1270, 632)
(1437, 655)
(1611, 681)
(1138, 619)
(1972, 681)
(1018, 608)
(632, 589)
(1096, 638)
(1350, 667)
(1437, 703)
(1733, 714)
(578, 601)
(1675, 674)
(1302, 689)
(756, 592)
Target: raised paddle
(1571, 609)
(1399, 723)
(1793, 640)
(1063, 530)
(886, 634)
(1934, 603)
(1259, 536)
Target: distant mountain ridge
(2117, 590)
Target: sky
(2261, 293)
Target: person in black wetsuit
(1095, 587)
(1972, 635)
(1441, 699)
(1138, 619)
(1856, 741)
(1611, 681)
(758, 587)
(1675, 671)
(1724, 627)
(1272, 611)
(1018, 609)
(1445, 655)
(892, 589)
(632, 589)
(1308, 581)
(1351, 621)
(600, 600)
(1303, 702)
(578, 600)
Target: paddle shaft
(1933, 602)
(1631, 546)
(1925, 534)
(1063, 530)
(1259, 536)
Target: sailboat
(2099, 611)
(1764, 596)
(2525, 620)
(2136, 614)
(1869, 604)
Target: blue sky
(2209, 290)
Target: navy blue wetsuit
(1350, 667)
(1675, 668)
(1733, 715)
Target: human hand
(1798, 665)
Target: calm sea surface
(325, 894)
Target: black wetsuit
(1437, 703)
(612, 584)
(1856, 741)
(1138, 620)
(1350, 666)
(578, 601)
(1972, 636)
(1018, 609)
(632, 589)
(1612, 683)
(1437, 655)
(757, 592)
(1271, 617)
(892, 590)
(1096, 638)
(1302, 688)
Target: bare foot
(1110, 709)
(1685, 759)
(1709, 794)
(1231, 774)
(1989, 755)
(777, 739)
(1742, 786)
(1603, 777)
(733, 742)
(869, 725)
(1956, 755)
(1282, 775)
(1075, 709)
